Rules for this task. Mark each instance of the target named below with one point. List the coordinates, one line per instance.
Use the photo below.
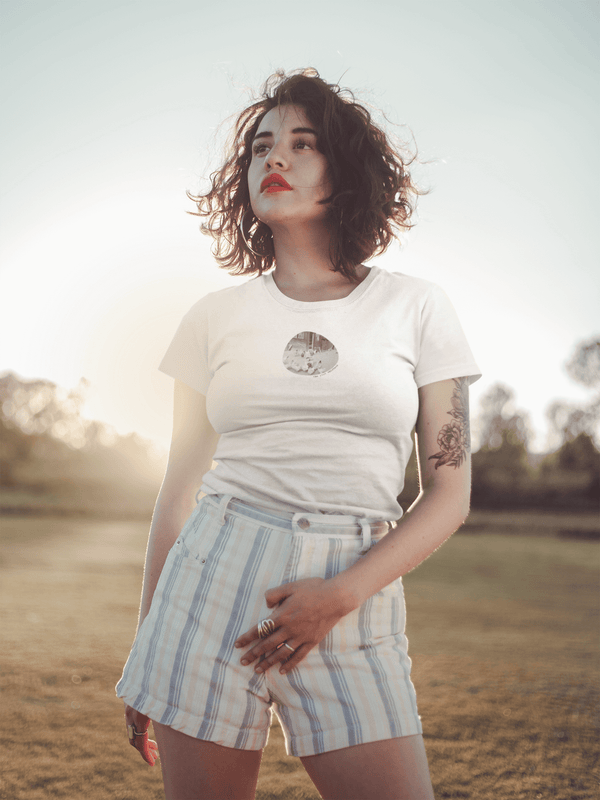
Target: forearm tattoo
(454, 439)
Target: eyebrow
(266, 134)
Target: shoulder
(409, 288)
(222, 300)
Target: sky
(113, 110)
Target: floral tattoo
(454, 440)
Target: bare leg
(197, 770)
(394, 769)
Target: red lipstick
(275, 183)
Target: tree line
(52, 459)
(506, 474)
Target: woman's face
(287, 175)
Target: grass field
(503, 636)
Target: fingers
(295, 658)
(148, 749)
(253, 635)
(279, 654)
(261, 647)
(248, 637)
(275, 596)
(285, 658)
(274, 650)
(293, 593)
(137, 731)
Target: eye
(259, 148)
(302, 144)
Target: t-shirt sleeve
(186, 358)
(444, 351)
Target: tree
(46, 446)
(28, 413)
(501, 465)
(570, 421)
(584, 364)
(575, 427)
(579, 454)
(504, 430)
(41, 407)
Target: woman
(283, 588)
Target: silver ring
(265, 628)
(132, 732)
(289, 647)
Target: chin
(285, 216)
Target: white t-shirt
(315, 401)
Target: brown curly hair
(372, 197)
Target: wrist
(345, 592)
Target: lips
(275, 183)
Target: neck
(302, 258)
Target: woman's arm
(444, 460)
(193, 445)
(310, 608)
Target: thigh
(193, 768)
(393, 769)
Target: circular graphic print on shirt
(309, 353)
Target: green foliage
(569, 421)
(579, 454)
(569, 478)
(503, 471)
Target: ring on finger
(266, 627)
(289, 647)
(132, 733)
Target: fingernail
(282, 671)
(237, 644)
(258, 669)
(244, 662)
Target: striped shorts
(183, 670)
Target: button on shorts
(184, 671)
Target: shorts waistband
(301, 523)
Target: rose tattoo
(454, 439)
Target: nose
(276, 157)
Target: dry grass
(502, 632)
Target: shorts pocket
(195, 534)
(385, 612)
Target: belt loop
(197, 493)
(223, 507)
(366, 534)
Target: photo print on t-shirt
(309, 353)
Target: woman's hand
(147, 747)
(307, 610)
